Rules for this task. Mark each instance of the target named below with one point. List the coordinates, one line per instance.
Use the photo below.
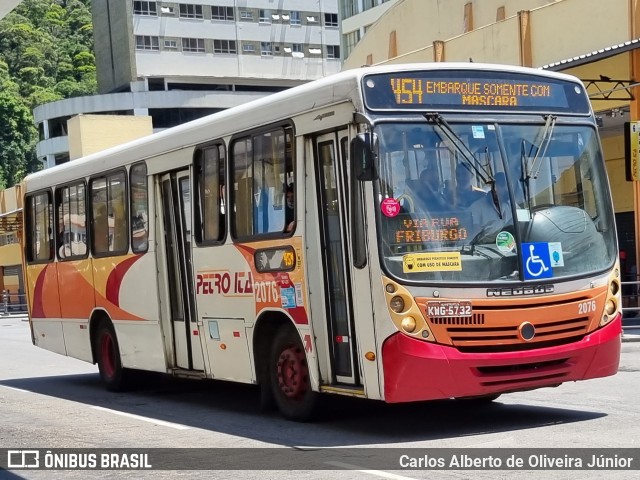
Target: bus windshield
(490, 202)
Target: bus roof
(327, 91)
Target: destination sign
(455, 90)
(411, 230)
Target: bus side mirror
(363, 154)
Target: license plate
(449, 309)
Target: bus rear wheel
(289, 374)
(113, 375)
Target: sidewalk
(631, 334)
(20, 315)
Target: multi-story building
(357, 16)
(179, 61)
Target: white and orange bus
(400, 233)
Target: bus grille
(476, 319)
(496, 326)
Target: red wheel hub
(293, 374)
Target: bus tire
(113, 375)
(289, 374)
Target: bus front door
(331, 180)
(176, 214)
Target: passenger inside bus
(466, 193)
(429, 190)
(289, 210)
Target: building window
(294, 18)
(246, 15)
(296, 50)
(330, 19)
(248, 47)
(349, 8)
(193, 45)
(190, 11)
(224, 46)
(147, 42)
(222, 13)
(172, 44)
(333, 51)
(266, 49)
(145, 8)
(351, 39)
(265, 16)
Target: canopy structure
(608, 78)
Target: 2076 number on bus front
(449, 309)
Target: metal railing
(631, 305)
(13, 303)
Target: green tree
(46, 54)
(17, 140)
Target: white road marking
(377, 473)
(177, 426)
(16, 389)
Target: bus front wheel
(289, 374)
(112, 373)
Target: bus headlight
(397, 304)
(610, 307)
(408, 324)
(614, 287)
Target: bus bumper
(415, 370)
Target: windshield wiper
(531, 169)
(484, 171)
(541, 143)
(467, 155)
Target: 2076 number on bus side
(449, 309)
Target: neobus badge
(513, 292)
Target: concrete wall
(113, 47)
(418, 23)
(93, 133)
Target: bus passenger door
(331, 180)
(176, 214)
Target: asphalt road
(49, 402)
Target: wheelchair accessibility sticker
(536, 258)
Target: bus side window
(262, 169)
(139, 208)
(109, 223)
(210, 187)
(39, 231)
(118, 213)
(72, 228)
(100, 218)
